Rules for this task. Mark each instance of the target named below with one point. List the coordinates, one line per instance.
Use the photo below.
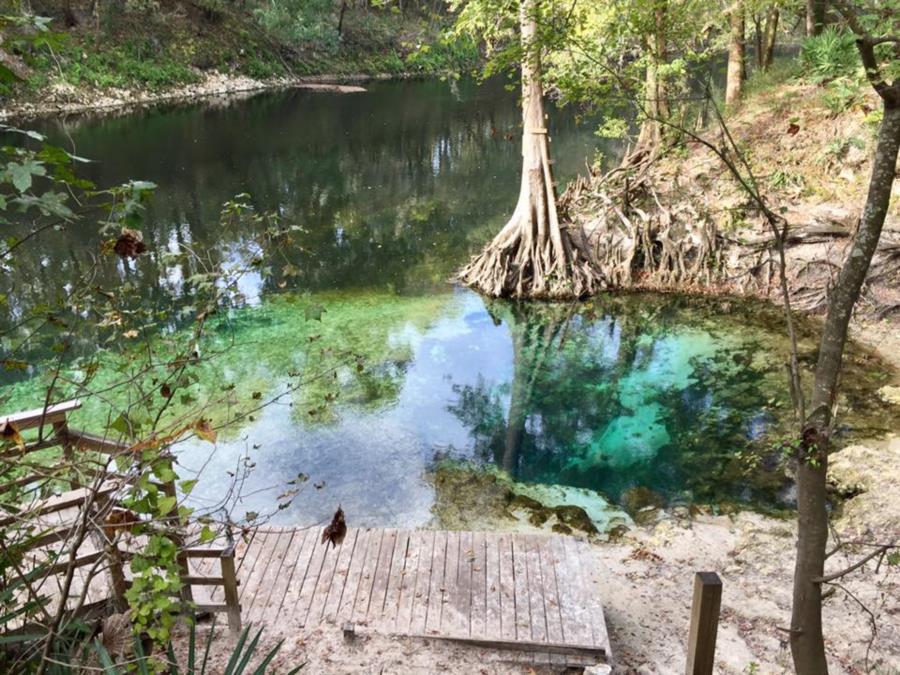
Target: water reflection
(639, 391)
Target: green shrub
(830, 55)
(301, 21)
(841, 95)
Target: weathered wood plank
(282, 585)
(326, 579)
(493, 616)
(299, 569)
(591, 571)
(311, 582)
(574, 618)
(423, 583)
(451, 620)
(507, 588)
(539, 628)
(341, 576)
(381, 576)
(395, 579)
(478, 616)
(551, 598)
(354, 574)
(415, 549)
(269, 603)
(520, 589)
(434, 594)
(367, 577)
(250, 589)
(464, 581)
(32, 418)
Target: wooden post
(704, 623)
(229, 582)
(61, 430)
(187, 595)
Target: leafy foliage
(830, 55)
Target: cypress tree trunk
(807, 641)
(532, 256)
(734, 84)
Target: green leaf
(187, 486)
(21, 174)
(206, 535)
(166, 504)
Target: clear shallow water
(394, 188)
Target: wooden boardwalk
(538, 596)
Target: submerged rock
(473, 497)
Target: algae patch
(468, 496)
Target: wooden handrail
(30, 419)
(61, 502)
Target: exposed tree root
(649, 228)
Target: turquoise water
(393, 189)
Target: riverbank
(97, 56)
(67, 100)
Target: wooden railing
(101, 495)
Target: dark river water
(394, 188)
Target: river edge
(68, 100)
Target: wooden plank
(341, 572)
(382, 576)
(282, 585)
(436, 588)
(326, 579)
(507, 588)
(576, 618)
(423, 583)
(244, 560)
(262, 546)
(538, 610)
(464, 580)
(551, 598)
(60, 502)
(478, 614)
(525, 647)
(704, 623)
(354, 575)
(493, 617)
(552, 594)
(520, 590)
(407, 589)
(269, 603)
(451, 615)
(395, 579)
(30, 419)
(82, 440)
(298, 572)
(591, 569)
(311, 582)
(367, 577)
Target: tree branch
(828, 578)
